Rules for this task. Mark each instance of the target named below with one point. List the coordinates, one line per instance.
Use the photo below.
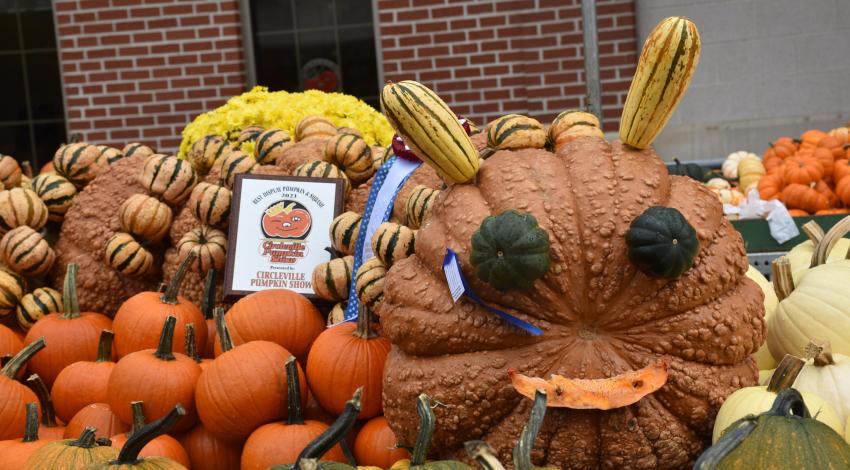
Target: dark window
(323, 44)
(32, 123)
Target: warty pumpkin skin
(600, 315)
(84, 382)
(70, 454)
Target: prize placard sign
(279, 231)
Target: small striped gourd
(249, 134)
(56, 192)
(418, 204)
(337, 313)
(209, 246)
(514, 132)
(12, 289)
(332, 278)
(205, 152)
(36, 305)
(431, 130)
(127, 256)
(572, 124)
(314, 127)
(26, 252)
(392, 242)
(344, 230)
(380, 155)
(77, 162)
(667, 63)
(168, 177)
(108, 155)
(369, 282)
(270, 145)
(145, 217)
(211, 204)
(137, 149)
(351, 154)
(10, 171)
(234, 163)
(320, 169)
(19, 206)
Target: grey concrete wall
(768, 68)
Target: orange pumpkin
(842, 190)
(825, 158)
(15, 452)
(800, 196)
(159, 377)
(98, 416)
(10, 343)
(780, 149)
(801, 170)
(208, 452)
(282, 442)
(785, 140)
(840, 170)
(73, 454)
(833, 145)
(811, 138)
(50, 429)
(772, 164)
(72, 336)
(163, 446)
(377, 445)
(84, 382)
(14, 395)
(831, 198)
(770, 186)
(841, 134)
(139, 320)
(277, 315)
(840, 210)
(344, 358)
(798, 213)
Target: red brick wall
(508, 56)
(140, 70)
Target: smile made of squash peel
(596, 394)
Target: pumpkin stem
(335, 433)
(785, 374)
(483, 454)
(733, 436)
(165, 349)
(162, 287)
(821, 351)
(191, 345)
(789, 403)
(86, 439)
(364, 323)
(31, 427)
(130, 452)
(26, 168)
(170, 295)
(523, 447)
(70, 302)
(208, 300)
(104, 346)
(138, 408)
(829, 241)
(814, 231)
(426, 430)
(293, 392)
(11, 368)
(783, 280)
(222, 330)
(48, 412)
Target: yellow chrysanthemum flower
(283, 110)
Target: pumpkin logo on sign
(285, 225)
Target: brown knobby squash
(235, 162)
(211, 204)
(314, 127)
(98, 416)
(392, 242)
(351, 154)
(344, 231)
(128, 256)
(15, 395)
(205, 152)
(208, 452)
(12, 289)
(84, 382)
(49, 428)
(26, 252)
(369, 282)
(15, 452)
(145, 217)
(137, 149)
(160, 446)
(68, 454)
(20, 206)
(331, 279)
(78, 162)
(270, 145)
(56, 192)
(209, 246)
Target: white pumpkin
(801, 255)
(847, 430)
(827, 375)
(729, 196)
(718, 183)
(730, 165)
(764, 359)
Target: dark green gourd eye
(662, 243)
(510, 251)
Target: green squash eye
(510, 251)
(662, 243)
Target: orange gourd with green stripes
(209, 246)
(36, 305)
(127, 256)
(235, 162)
(392, 242)
(351, 154)
(108, 155)
(56, 192)
(26, 252)
(205, 152)
(78, 162)
(314, 127)
(320, 169)
(211, 204)
(137, 149)
(145, 216)
(168, 177)
(514, 132)
(270, 145)
(344, 230)
(19, 206)
(12, 288)
(369, 282)
(418, 204)
(332, 278)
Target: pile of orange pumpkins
(226, 370)
(809, 174)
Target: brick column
(140, 70)
(508, 56)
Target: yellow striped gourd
(205, 152)
(36, 305)
(78, 162)
(514, 132)
(12, 289)
(418, 204)
(26, 252)
(320, 169)
(168, 177)
(351, 154)
(430, 129)
(344, 231)
(19, 206)
(270, 145)
(145, 217)
(572, 124)
(137, 149)
(127, 256)
(332, 278)
(314, 127)
(108, 155)
(209, 246)
(211, 204)
(56, 192)
(667, 63)
(235, 162)
(249, 134)
(392, 242)
(10, 171)
(369, 282)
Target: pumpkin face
(459, 353)
(290, 222)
